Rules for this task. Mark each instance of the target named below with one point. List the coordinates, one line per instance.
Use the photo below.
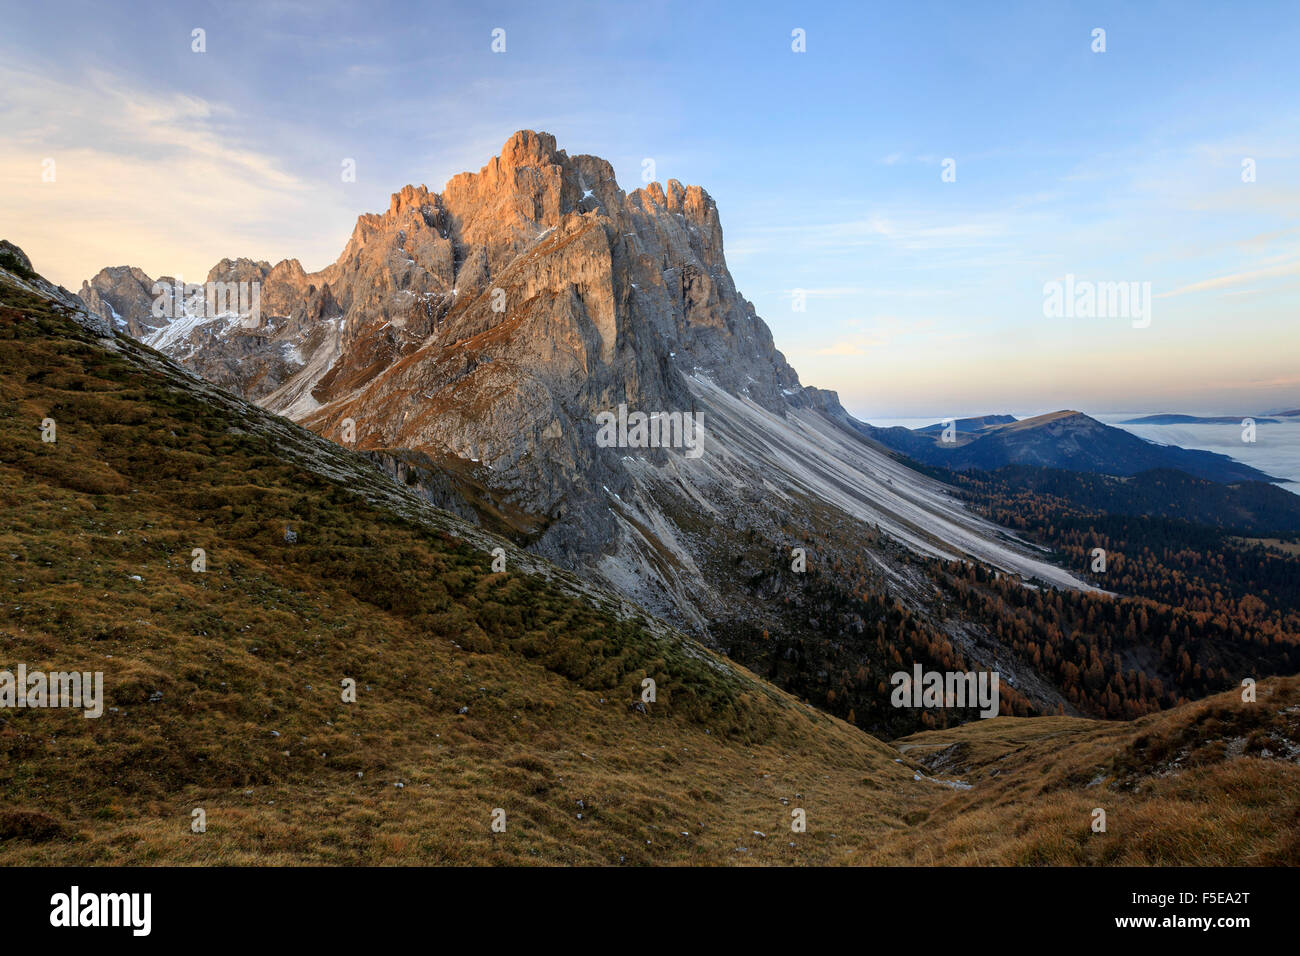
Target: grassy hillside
(475, 690)
(1211, 783)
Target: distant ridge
(1196, 420)
(1066, 439)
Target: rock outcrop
(124, 297)
(19, 271)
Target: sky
(896, 199)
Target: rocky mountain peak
(238, 270)
(408, 198)
(494, 320)
(528, 148)
(287, 270)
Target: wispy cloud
(824, 293)
(1236, 279)
(911, 231)
(167, 181)
(857, 345)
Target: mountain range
(1068, 440)
(500, 713)
(1173, 419)
(472, 337)
(469, 342)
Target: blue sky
(923, 297)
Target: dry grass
(1215, 783)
